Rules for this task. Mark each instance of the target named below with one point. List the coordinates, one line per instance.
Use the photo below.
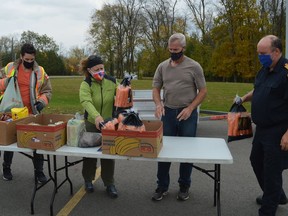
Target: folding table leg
(54, 179)
(67, 175)
(217, 189)
(36, 184)
(33, 193)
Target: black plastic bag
(131, 122)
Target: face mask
(98, 75)
(28, 65)
(265, 60)
(176, 56)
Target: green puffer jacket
(98, 99)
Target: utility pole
(12, 50)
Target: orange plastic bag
(124, 96)
(239, 123)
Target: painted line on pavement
(72, 203)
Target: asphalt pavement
(136, 182)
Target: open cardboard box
(8, 133)
(43, 136)
(134, 143)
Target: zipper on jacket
(101, 100)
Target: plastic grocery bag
(131, 122)
(124, 96)
(12, 97)
(75, 129)
(90, 139)
(239, 123)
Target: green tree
(114, 32)
(46, 52)
(275, 11)
(72, 62)
(235, 36)
(160, 22)
(103, 36)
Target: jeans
(38, 160)
(173, 127)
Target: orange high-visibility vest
(39, 72)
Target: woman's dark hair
(88, 63)
(28, 48)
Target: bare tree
(159, 22)
(276, 12)
(202, 11)
(131, 22)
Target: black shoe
(283, 200)
(89, 187)
(183, 193)
(40, 176)
(112, 192)
(7, 175)
(159, 194)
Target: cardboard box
(8, 133)
(134, 143)
(43, 136)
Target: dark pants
(268, 162)
(38, 160)
(173, 127)
(90, 164)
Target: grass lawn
(65, 96)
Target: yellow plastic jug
(18, 113)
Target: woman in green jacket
(97, 98)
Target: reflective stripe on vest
(10, 71)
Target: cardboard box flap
(153, 129)
(44, 120)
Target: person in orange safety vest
(36, 91)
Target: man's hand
(160, 111)
(98, 120)
(284, 142)
(238, 100)
(185, 114)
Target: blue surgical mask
(265, 60)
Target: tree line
(132, 36)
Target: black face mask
(176, 56)
(28, 65)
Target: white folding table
(175, 149)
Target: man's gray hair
(178, 36)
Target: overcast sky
(66, 21)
